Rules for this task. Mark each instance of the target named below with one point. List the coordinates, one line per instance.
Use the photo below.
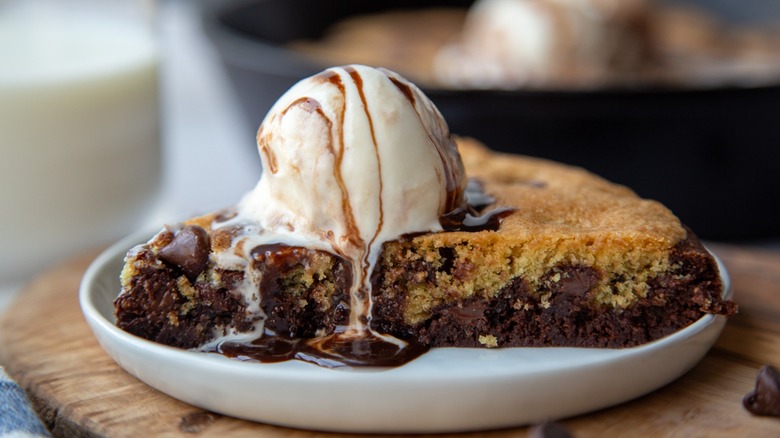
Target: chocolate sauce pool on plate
(330, 352)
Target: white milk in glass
(79, 133)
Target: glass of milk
(79, 127)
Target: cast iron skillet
(710, 154)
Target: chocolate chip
(188, 251)
(549, 430)
(572, 280)
(765, 399)
(468, 312)
(197, 421)
(578, 280)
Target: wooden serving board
(46, 346)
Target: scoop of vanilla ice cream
(353, 157)
(510, 43)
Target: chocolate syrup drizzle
(470, 218)
(354, 343)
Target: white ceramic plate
(445, 390)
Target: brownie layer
(517, 316)
(160, 303)
(302, 293)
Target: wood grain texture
(79, 391)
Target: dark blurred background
(709, 153)
(747, 11)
